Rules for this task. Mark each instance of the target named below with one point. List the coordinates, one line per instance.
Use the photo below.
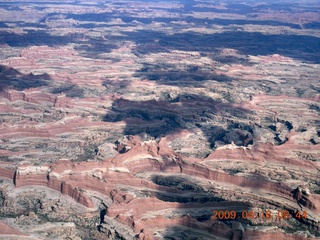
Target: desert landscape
(140, 119)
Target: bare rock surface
(140, 119)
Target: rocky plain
(140, 119)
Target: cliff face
(7, 173)
(149, 188)
(159, 120)
(156, 182)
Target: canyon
(139, 119)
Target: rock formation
(156, 120)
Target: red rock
(6, 229)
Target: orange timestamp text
(264, 214)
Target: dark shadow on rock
(186, 191)
(170, 74)
(116, 86)
(197, 204)
(185, 111)
(95, 47)
(204, 210)
(305, 48)
(188, 6)
(13, 79)
(312, 25)
(33, 38)
(87, 46)
(71, 90)
(3, 25)
(102, 215)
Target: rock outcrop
(159, 120)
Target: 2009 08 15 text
(249, 214)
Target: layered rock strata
(137, 120)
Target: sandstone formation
(139, 120)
